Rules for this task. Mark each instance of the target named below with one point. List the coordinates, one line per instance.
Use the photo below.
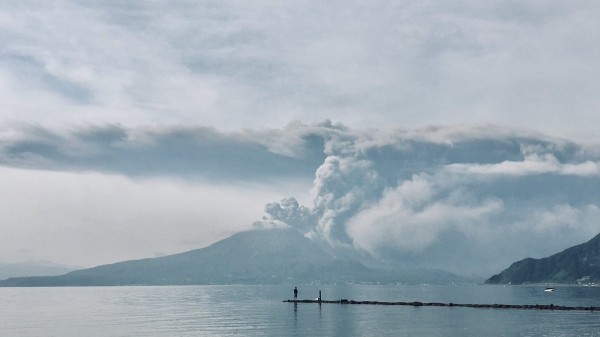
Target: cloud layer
(231, 64)
(164, 151)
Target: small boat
(549, 289)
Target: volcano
(262, 256)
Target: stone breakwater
(438, 304)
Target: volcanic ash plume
(460, 199)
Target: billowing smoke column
(290, 212)
(458, 199)
(342, 186)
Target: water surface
(258, 311)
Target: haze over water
(259, 311)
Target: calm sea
(259, 311)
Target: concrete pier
(438, 304)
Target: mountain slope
(272, 256)
(581, 262)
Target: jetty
(450, 305)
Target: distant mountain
(580, 263)
(267, 256)
(37, 268)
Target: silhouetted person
(295, 293)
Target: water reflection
(295, 316)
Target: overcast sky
(135, 129)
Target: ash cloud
(470, 200)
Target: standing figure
(295, 293)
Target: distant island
(265, 256)
(578, 264)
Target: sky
(413, 130)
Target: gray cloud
(177, 151)
(234, 64)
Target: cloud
(412, 216)
(534, 162)
(562, 218)
(469, 199)
(466, 199)
(167, 151)
(232, 64)
(118, 89)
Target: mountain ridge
(577, 264)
